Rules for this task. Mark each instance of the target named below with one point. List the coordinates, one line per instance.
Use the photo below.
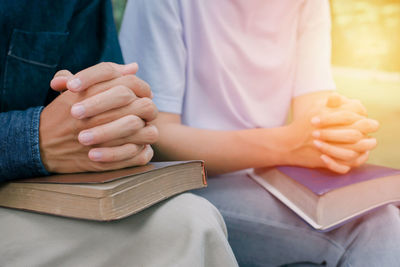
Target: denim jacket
(38, 38)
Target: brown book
(104, 196)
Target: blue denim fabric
(38, 38)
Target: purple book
(326, 200)
(321, 181)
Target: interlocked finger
(336, 152)
(115, 97)
(143, 108)
(341, 117)
(101, 72)
(144, 136)
(361, 159)
(361, 146)
(116, 153)
(142, 158)
(335, 166)
(114, 130)
(366, 126)
(338, 135)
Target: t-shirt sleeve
(151, 35)
(313, 62)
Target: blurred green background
(366, 64)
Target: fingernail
(315, 120)
(95, 155)
(151, 95)
(316, 134)
(78, 111)
(317, 143)
(74, 84)
(86, 137)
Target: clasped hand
(334, 135)
(99, 122)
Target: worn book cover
(104, 196)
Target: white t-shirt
(229, 64)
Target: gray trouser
(183, 231)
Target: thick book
(326, 200)
(104, 196)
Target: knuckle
(133, 150)
(62, 73)
(149, 109)
(134, 122)
(106, 66)
(109, 68)
(143, 159)
(129, 81)
(355, 135)
(147, 102)
(351, 155)
(131, 119)
(99, 134)
(152, 134)
(348, 116)
(145, 87)
(139, 87)
(112, 155)
(124, 93)
(145, 156)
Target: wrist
(289, 144)
(278, 147)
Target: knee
(378, 230)
(384, 219)
(376, 237)
(195, 214)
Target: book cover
(326, 200)
(321, 181)
(104, 196)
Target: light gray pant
(183, 231)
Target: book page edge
(285, 200)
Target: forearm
(19, 135)
(224, 151)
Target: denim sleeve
(19, 139)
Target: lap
(262, 231)
(168, 234)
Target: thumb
(59, 81)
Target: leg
(263, 232)
(183, 231)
